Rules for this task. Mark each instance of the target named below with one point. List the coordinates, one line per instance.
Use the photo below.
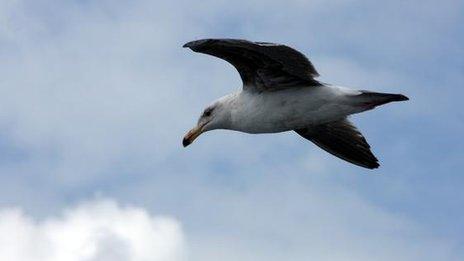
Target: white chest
(270, 112)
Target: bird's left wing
(262, 66)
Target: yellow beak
(192, 135)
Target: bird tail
(370, 100)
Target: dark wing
(262, 66)
(343, 140)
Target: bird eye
(208, 112)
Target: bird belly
(285, 110)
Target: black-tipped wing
(343, 140)
(262, 66)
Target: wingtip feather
(402, 97)
(194, 45)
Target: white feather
(288, 109)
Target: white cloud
(92, 231)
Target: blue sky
(95, 97)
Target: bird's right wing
(262, 66)
(342, 139)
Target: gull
(280, 93)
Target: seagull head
(215, 116)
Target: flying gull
(280, 93)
